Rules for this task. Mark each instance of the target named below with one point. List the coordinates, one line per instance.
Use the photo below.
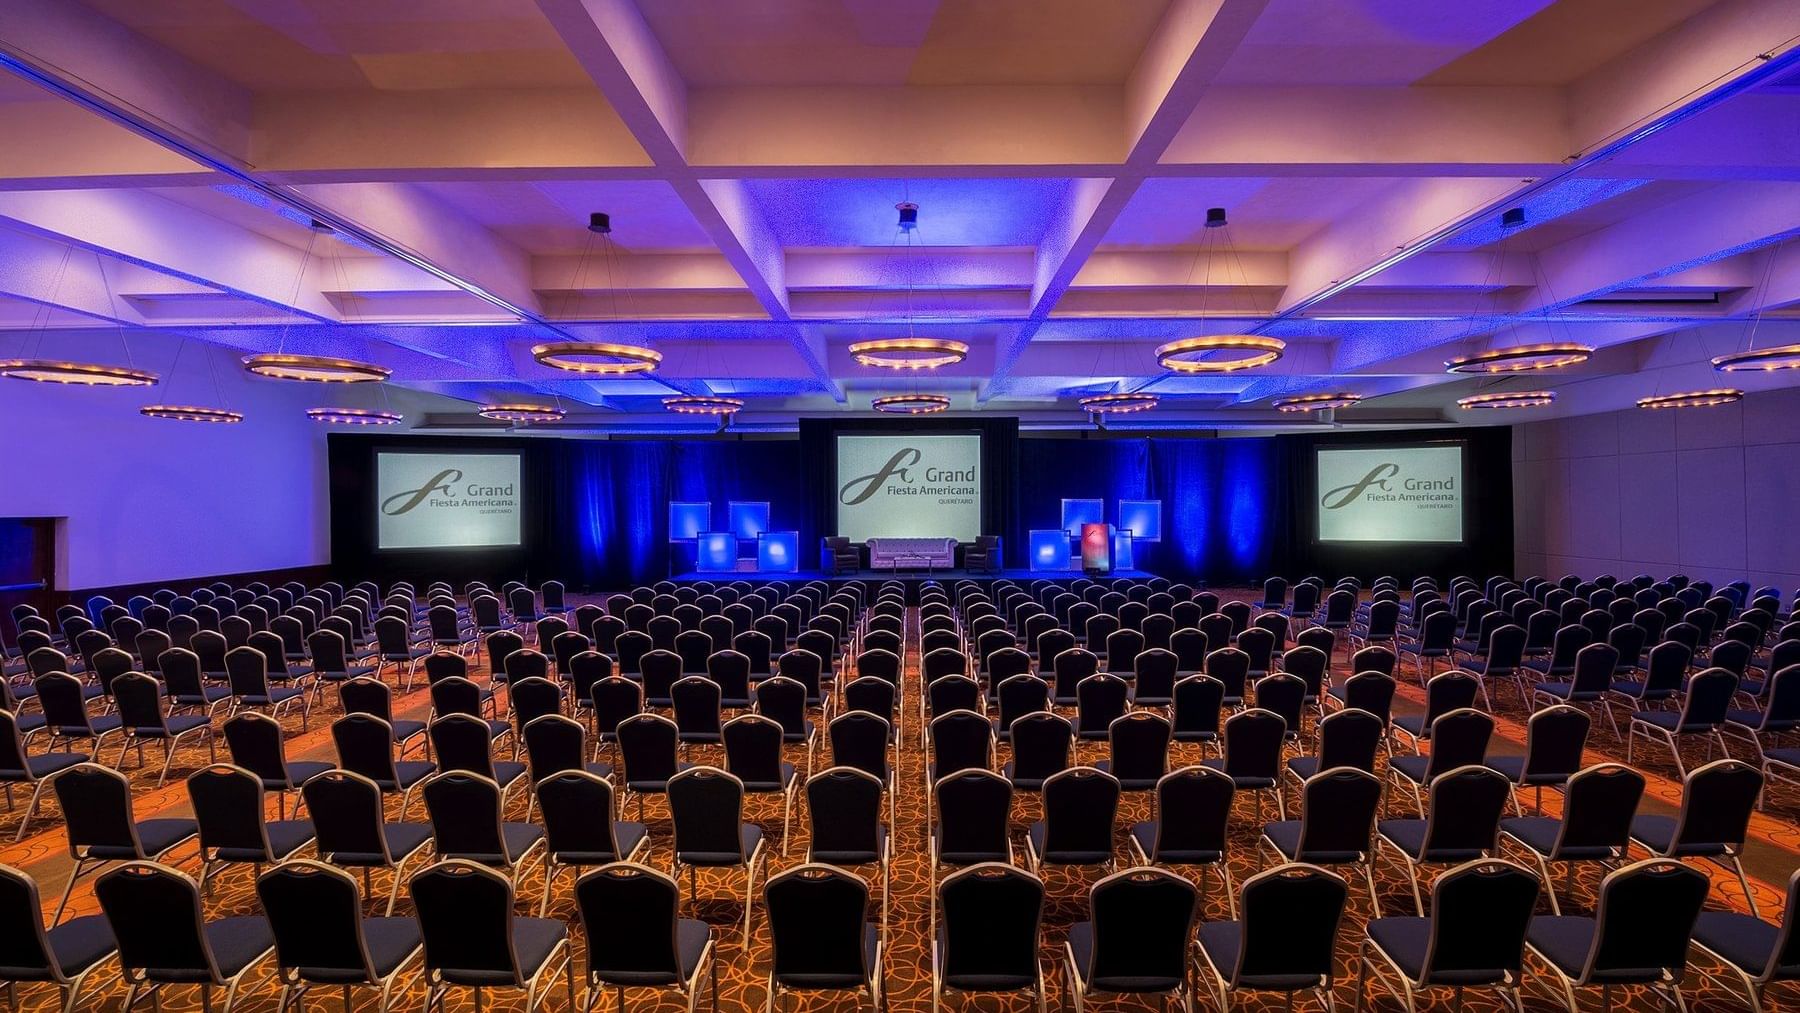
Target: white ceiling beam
(159, 234)
(1192, 44)
(54, 274)
(71, 147)
(622, 56)
(1677, 74)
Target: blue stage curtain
(1218, 496)
(611, 500)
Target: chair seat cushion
(1081, 945)
(406, 728)
(45, 764)
(156, 836)
(854, 857)
(299, 771)
(1412, 768)
(1563, 940)
(749, 836)
(1285, 836)
(507, 771)
(1038, 833)
(1244, 782)
(207, 695)
(1145, 783)
(1145, 835)
(1657, 834)
(390, 940)
(236, 944)
(1221, 941)
(78, 944)
(1406, 941)
(534, 940)
(962, 858)
(691, 937)
(1744, 941)
(1409, 836)
(285, 838)
(410, 772)
(1412, 724)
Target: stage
(905, 575)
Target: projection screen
(1391, 494)
(909, 486)
(446, 500)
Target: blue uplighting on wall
(1249, 479)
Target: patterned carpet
(43, 853)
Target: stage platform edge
(904, 575)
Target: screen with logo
(919, 486)
(1391, 494)
(446, 501)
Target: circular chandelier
(525, 413)
(314, 368)
(1692, 399)
(1195, 355)
(603, 357)
(1521, 358)
(1119, 404)
(190, 413)
(354, 416)
(1508, 399)
(909, 353)
(1760, 359)
(696, 404)
(86, 374)
(1316, 402)
(911, 404)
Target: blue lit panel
(1142, 518)
(1050, 550)
(1078, 513)
(778, 552)
(716, 552)
(688, 520)
(1122, 556)
(747, 520)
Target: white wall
(156, 500)
(1712, 492)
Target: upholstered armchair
(840, 556)
(983, 555)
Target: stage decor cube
(1050, 550)
(1076, 513)
(1123, 558)
(1141, 517)
(687, 521)
(747, 520)
(778, 552)
(716, 552)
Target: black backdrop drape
(1234, 510)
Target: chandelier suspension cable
(1773, 357)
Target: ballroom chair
(159, 921)
(1639, 934)
(581, 827)
(1756, 953)
(1285, 940)
(468, 821)
(1135, 940)
(1713, 821)
(1461, 824)
(102, 828)
(473, 940)
(1474, 937)
(230, 813)
(707, 806)
(821, 935)
(323, 940)
(992, 923)
(352, 832)
(654, 948)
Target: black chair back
(1080, 806)
(818, 919)
(860, 739)
(156, 916)
(1291, 916)
(1253, 741)
(992, 919)
(846, 809)
(707, 806)
(1142, 922)
(642, 949)
(972, 808)
(465, 916)
(1645, 920)
(315, 911)
(1462, 819)
(1479, 913)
